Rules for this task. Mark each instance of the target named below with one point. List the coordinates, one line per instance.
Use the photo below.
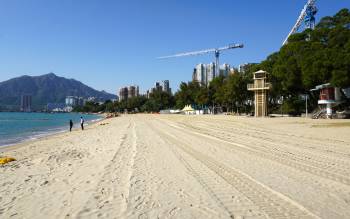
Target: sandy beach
(174, 166)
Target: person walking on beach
(70, 125)
(82, 123)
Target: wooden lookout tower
(260, 87)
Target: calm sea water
(17, 127)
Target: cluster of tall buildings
(159, 86)
(128, 92)
(205, 73)
(67, 106)
(74, 101)
(69, 103)
(202, 73)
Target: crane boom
(216, 51)
(300, 19)
(200, 52)
(188, 53)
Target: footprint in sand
(173, 211)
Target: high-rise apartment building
(26, 103)
(210, 71)
(70, 101)
(74, 101)
(128, 92)
(166, 86)
(201, 75)
(137, 91)
(159, 86)
(123, 93)
(205, 73)
(131, 91)
(225, 70)
(194, 74)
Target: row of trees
(310, 58)
(228, 93)
(157, 101)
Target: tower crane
(307, 15)
(216, 51)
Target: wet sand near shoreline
(176, 166)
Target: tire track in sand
(277, 133)
(141, 200)
(272, 203)
(315, 170)
(311, 149)
(110, 198)
(227, 197)
(312, 179)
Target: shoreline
(91, 123)
(47, 135)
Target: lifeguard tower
(330, 97)
(260, 87)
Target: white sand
(156, 166)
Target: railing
(259, 86)
(321, 113)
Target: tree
(236, 92)
(217, 91)
(311, 58)
(162, 99)
(134, 104)
(202, 96)
(187, 94)
(150, 106)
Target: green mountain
(44, 89)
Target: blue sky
(107, 44)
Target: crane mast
(308, 15)
(216, 52)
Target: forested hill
(44, 89)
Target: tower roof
(261, 71)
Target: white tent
(188, 110)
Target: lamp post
(306, 105)
(282, 106)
